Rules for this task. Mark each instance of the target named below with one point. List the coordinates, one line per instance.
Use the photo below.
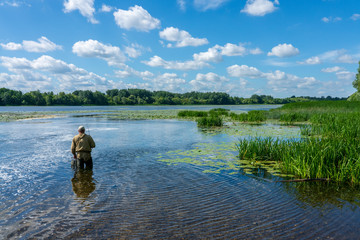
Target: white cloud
(204, 5)
(212, 55)
(312, 61)
(277, 81)
(45, 70)
(128, 71)
(282, 82)
(339, 56)
(345, 75)
(93, 48)
(14, 3)
(331, 19)
(215, 53)
(332, 69)
(11, 46)
(157, 61)
(284, 50)
(260, 7)
(42, 45)
(136, 18)
(209, 82)
(181, 37)
(256, 51)
(181, 4)
(355, 17)
(85, 7)
(168, 82)
(106, 8)
(233, 50)
(244, 71)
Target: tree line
(10, 97)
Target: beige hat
(81, 128)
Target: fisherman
(81, 149)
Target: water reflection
(329, 194)
(83, 183)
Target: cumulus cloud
(244, 71)
(284, 50)
(93, 48)
(355, 17)
(181, 37)
(312, 61)
(278, 81)
(136, 18)
(45, 70)
(204, 5)
(214, 54)
(209, 82)
(168, 82)
(200, 60)
(42, 45)
(332, 69)
(260, 7)
(157, 61)
(128, 71)
(85, 7)
(106, 8)
(281, 82)
(331, 19)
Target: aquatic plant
(219, 112)
(330, 149)
(192, 114)
(251, 116)
(212, 121)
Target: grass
(212, 121)
(192, 114)
(251, 116)
(329, 148)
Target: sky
(242, 47)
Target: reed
(192, 114)
(219, 112)
(212, 121)
(329, 147)
(251, 116)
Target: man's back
(82, 143)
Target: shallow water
(132, 194)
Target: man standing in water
(81, 149)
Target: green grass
(212, 121)
(330, 147)
(251, 116)
(192, 114)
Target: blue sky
(242, 47)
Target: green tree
(356, 82)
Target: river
(132, 194)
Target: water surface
(131, 194)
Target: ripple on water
(130, 194)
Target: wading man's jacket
(81, 146)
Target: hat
(81, 128)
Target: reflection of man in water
(81, 149)
(83, 183)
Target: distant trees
(139, 97)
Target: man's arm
(92, 143)
(73, 147)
